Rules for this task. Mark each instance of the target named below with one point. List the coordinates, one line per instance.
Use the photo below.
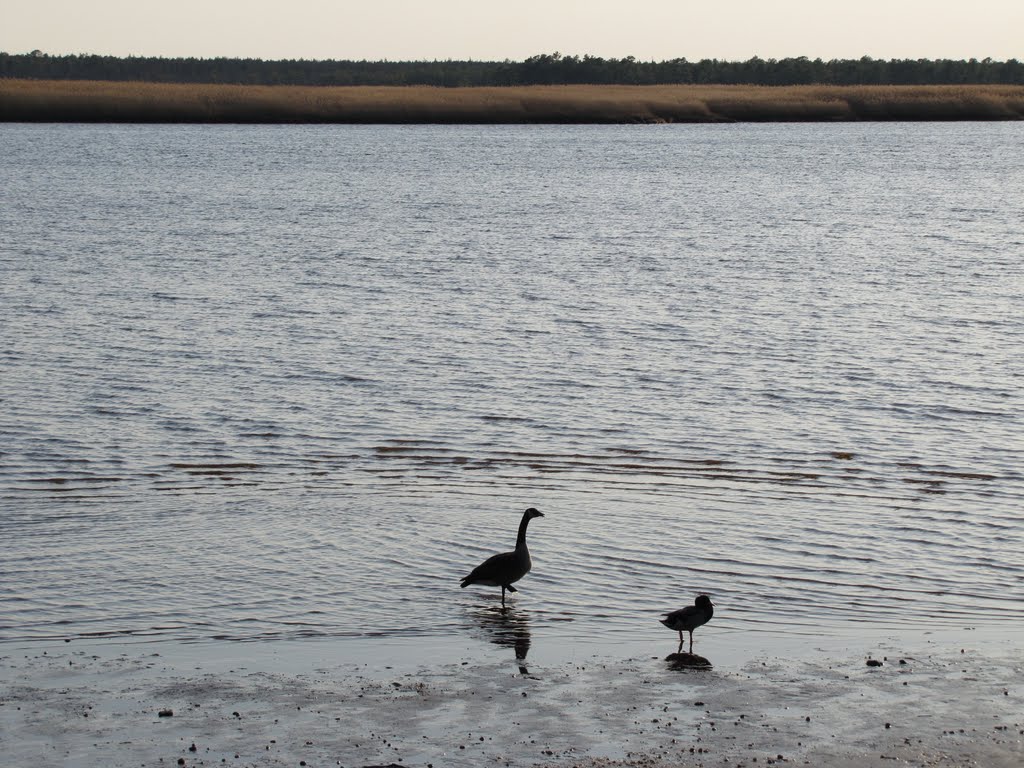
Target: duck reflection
(507, 627)
(687, 661)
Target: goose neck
(521, 538)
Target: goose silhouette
(508, 567)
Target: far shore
(142, 102)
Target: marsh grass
(138, 102)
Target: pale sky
(487, 30)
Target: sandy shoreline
(243, 704)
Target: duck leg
(503, 597)
(691, 641)
(680, 641)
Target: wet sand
(249, 704)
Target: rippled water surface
(274, 382)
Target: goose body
(508, 567)
(689, 618)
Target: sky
(487, 30)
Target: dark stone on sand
(687, 661)
(165, 713)
(874, 663)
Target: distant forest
(544, 69)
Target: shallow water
(281, 382)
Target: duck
(689, 618)
(504, 569)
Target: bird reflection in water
(507, 627)
(682, 661)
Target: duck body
(505, 569)
(689, 618)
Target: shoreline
(446, 702)
(144, 102)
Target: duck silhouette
(689, 618)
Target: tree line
(543, 69)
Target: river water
(279, 382)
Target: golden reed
(141, 102)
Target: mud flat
(299, 703)
(140, 102)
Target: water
(268, 383)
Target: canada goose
(689, 618)
(504, 569)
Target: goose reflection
(507, 627)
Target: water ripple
(279, 406)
